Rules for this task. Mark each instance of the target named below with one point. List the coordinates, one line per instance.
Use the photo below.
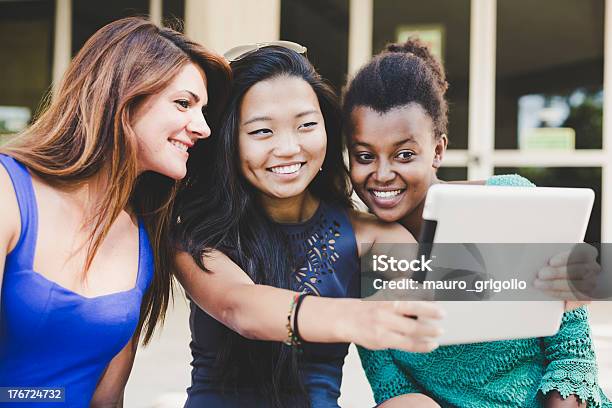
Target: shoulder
(364, 223)
(10, 218)
(369, 229)
(513, 180)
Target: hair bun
(418, 48)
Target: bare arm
(376, 238)
(10, 219)
(260, 312)
(110, 389)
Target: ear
(439, 150)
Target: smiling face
(393, 157)
(168, 123)
(282, 138)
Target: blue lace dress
(325, 251)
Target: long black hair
(219, 210)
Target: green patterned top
(509, 373)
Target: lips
(289, 168)
(386, 198)
(181, 145)
(386, 194)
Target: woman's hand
(571, 276)
(408, 326)
(415, 291)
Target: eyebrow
(398, 143)
(194, 96)
(255, 119)
(299, 115)
(264, 118)
(401, 142)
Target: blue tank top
(325, 252)
(49, 335)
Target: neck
(89, 195)
(413, 221)
(290, 210)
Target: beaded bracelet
(292, 339)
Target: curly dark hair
(400, 75)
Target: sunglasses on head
(241, 51)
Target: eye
(261, 132)
(183, 103)
(405, 155)
(308, 125)
(364, 157)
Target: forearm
(260, 312)
(110, 389)
(107, 404)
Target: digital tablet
(501, 214)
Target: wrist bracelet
(292, 339)
(296, 332)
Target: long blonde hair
(86, 132)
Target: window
(446, 25)
(549, 91)
(26, 46)
(89, 16)
(322, 27)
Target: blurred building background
(527, 77)
(527, 82)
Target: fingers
(400, 342)
(415, 328)
(567, 290)
(419, 309)
(393, 325)
(572, 272)
(569, 283)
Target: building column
(361, 27)
(62, 44)
(481, 127)
(606, 171)
(155, 11)
(221, 25)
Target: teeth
(179, 145)
(386, 194)
(286, 169)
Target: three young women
(86, 209)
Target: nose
(288, 145)
(384, 172)
(198, 126)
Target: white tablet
(494, 214)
